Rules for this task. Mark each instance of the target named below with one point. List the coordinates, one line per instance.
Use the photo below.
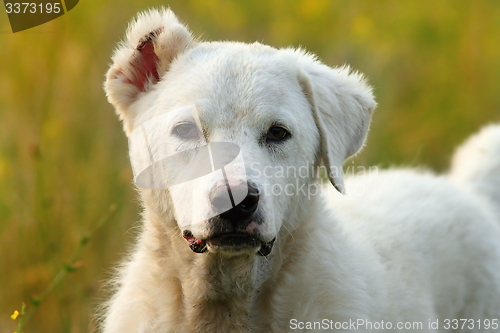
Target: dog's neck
(219, 292)
(221, 289)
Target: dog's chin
(230, 244)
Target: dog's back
(441, 237)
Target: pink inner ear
(145, 62)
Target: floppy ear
(342, 103)
(153, 40)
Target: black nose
(226, 202)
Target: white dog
(226, 140)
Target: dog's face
(229, 135)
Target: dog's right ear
(153, 40)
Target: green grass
(435, 67)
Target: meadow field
(65, 179)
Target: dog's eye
(277, 133)
(186, 131)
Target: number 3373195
(455, 324)
(32, 8)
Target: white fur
(400, 246)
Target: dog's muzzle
(233, 230)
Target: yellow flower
(14, 315)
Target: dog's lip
(233, 241)
(228, 242)
(197, 245)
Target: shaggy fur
(401, 246)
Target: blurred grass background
(435, 67)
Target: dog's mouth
(237, 242)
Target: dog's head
(229, 136)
